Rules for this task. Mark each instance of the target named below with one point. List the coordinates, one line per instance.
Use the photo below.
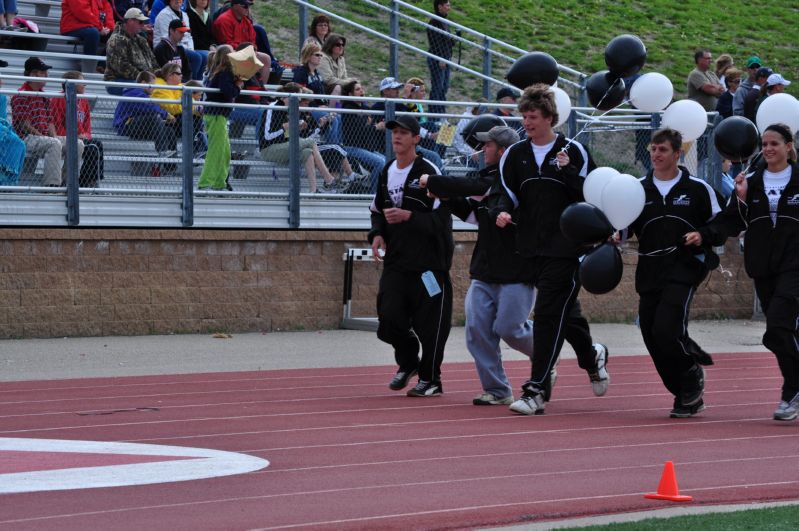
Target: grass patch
(768, 519)
(574, 32)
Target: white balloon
(595, 182)
(778, 108)
(651, 92)
(623, 200)
(687, 117)
(564, 105)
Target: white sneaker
(787, 410)
(600, 379)
(531, 403)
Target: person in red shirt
(234, 27)
(32, 120)
(91, 170)
(89, 20)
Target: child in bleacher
(217, 161)
(200, 138)
(13, 153)
(145, 120)
(91, 170)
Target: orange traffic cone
(668, 489)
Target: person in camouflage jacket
(128, 53)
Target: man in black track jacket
(541, 176)
(670, 268)
(414, 300)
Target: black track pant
(578, 335)
(557, 285)
(663, 317)
(779, 297)
(408, 316)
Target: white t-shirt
(775, 183)
(540, 152)
(664, 187)
(396, 182)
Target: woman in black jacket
(361, 136)
(766, 205)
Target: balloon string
(592, 118)
(658, 252)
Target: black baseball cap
(506, 92)
(3, 64)
(177, 24)
(763, 72)
(405, 122)
(34, 63)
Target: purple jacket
(131, 109)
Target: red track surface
(346, 452)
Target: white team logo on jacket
(682, 200)
(793, 200)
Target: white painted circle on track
(186, 464)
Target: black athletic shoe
(400, 380)
(426, 389)
(693, 386)
(684, 412)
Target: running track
(346, 452)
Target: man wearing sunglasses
(234, 27)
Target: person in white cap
(775, 84)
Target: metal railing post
(582, 94)
(571, 122)
(302, 15)
(187, 157)
(486, 68)
(393, 49)
(73, 195)
(390, 107)
(294, 161)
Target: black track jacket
(770, 249)
(422, 243)
(664, 221)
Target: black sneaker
(400, 380)
(693, 386)
(425, 389)
(684, 412)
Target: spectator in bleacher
(33, 122)
(756, 94)
(390, 88)
(128, 53)
(507, 96)
(234, 26)
(240, 117)
(145, 120)
(121, 7)
(752, 65)
(200, 24)
(333, 67)
(197, 58)
(170, 50)
(217, 160)
(91, 21)
(318, 31)
(470, 159)
(361, 136)
(13, 153)
(156, 6)
(440, 43)
(8, 8)
(723, 63)
(416, 92)
(307, 75)
(91, 169)
(197, 112)
(274, 141)
(261, 43)
(733, 80)
(168, 79)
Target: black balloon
(625, 55)
(532, 68)
(480, 124)
(601, 269)
(585, 224)
(605, 91)
(736, 138)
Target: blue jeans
(370, 160)
(89, 36)
(439, 84)
(197, 60)
(432, 156)
(8, 6)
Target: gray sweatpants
(494, 312)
